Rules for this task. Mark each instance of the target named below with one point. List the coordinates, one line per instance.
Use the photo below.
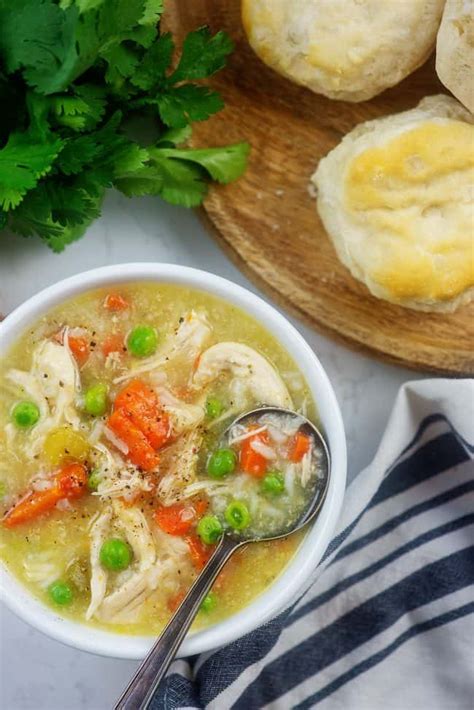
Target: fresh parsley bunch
(72, 75)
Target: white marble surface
(36, 672)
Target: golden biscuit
(344, 49)
(455, 50)
(396, 198)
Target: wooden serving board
(267, 221)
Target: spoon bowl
(141, 688)
(320, 485)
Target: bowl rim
(309, 554)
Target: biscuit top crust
(345, 44)
(413, 194)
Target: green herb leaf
(147, 181)
(73, 75)
(223, 164)
(154, 63)
(152, 12)
(80, 110)
(175, 136)
(38, 37)
(69, 205)
(183, 183)
(107, 152)
(186, 103)
(202, 55)
(176, 181)
(54, 44)
(34, 216)
(23, 161)
(121, 61)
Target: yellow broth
(59, 541)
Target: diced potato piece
(65, 444)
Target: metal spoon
(141, 688)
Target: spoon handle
(148, 676)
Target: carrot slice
(71, 482)
(178, 519)
(80, 349)
(140, 451)
(156, 428)
(300, 445)
(200, 553)
(113, 344)
(136, 392)
(114, 302)
(250, 460)
(141, 405)
(78, 345)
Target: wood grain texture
(267, 221)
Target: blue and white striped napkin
(388, 620)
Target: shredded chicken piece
(120, 604)
(138, 534)
(246, 433)
(118, 478)
(186, 342)
(180, 463)
(246, 366)
(290, 476)
(52, 383)
(172, 554)
(306, 468)
(287, 426)
(278, 436)
(98, 534)
(156, 558)
(41, 568)
(183, 415)
(263, 449)
(200, 486)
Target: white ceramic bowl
(315, 543)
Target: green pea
(95, 400)
(25, 414)
(208, 603)
(237, 515)
(273, 484)
(213, 407)
(60, 593)
(221, 463)
(142, 341)
(94, 480)
(115, 554)
(209, 529)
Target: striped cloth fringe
(387, 620)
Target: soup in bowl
(118, 470)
